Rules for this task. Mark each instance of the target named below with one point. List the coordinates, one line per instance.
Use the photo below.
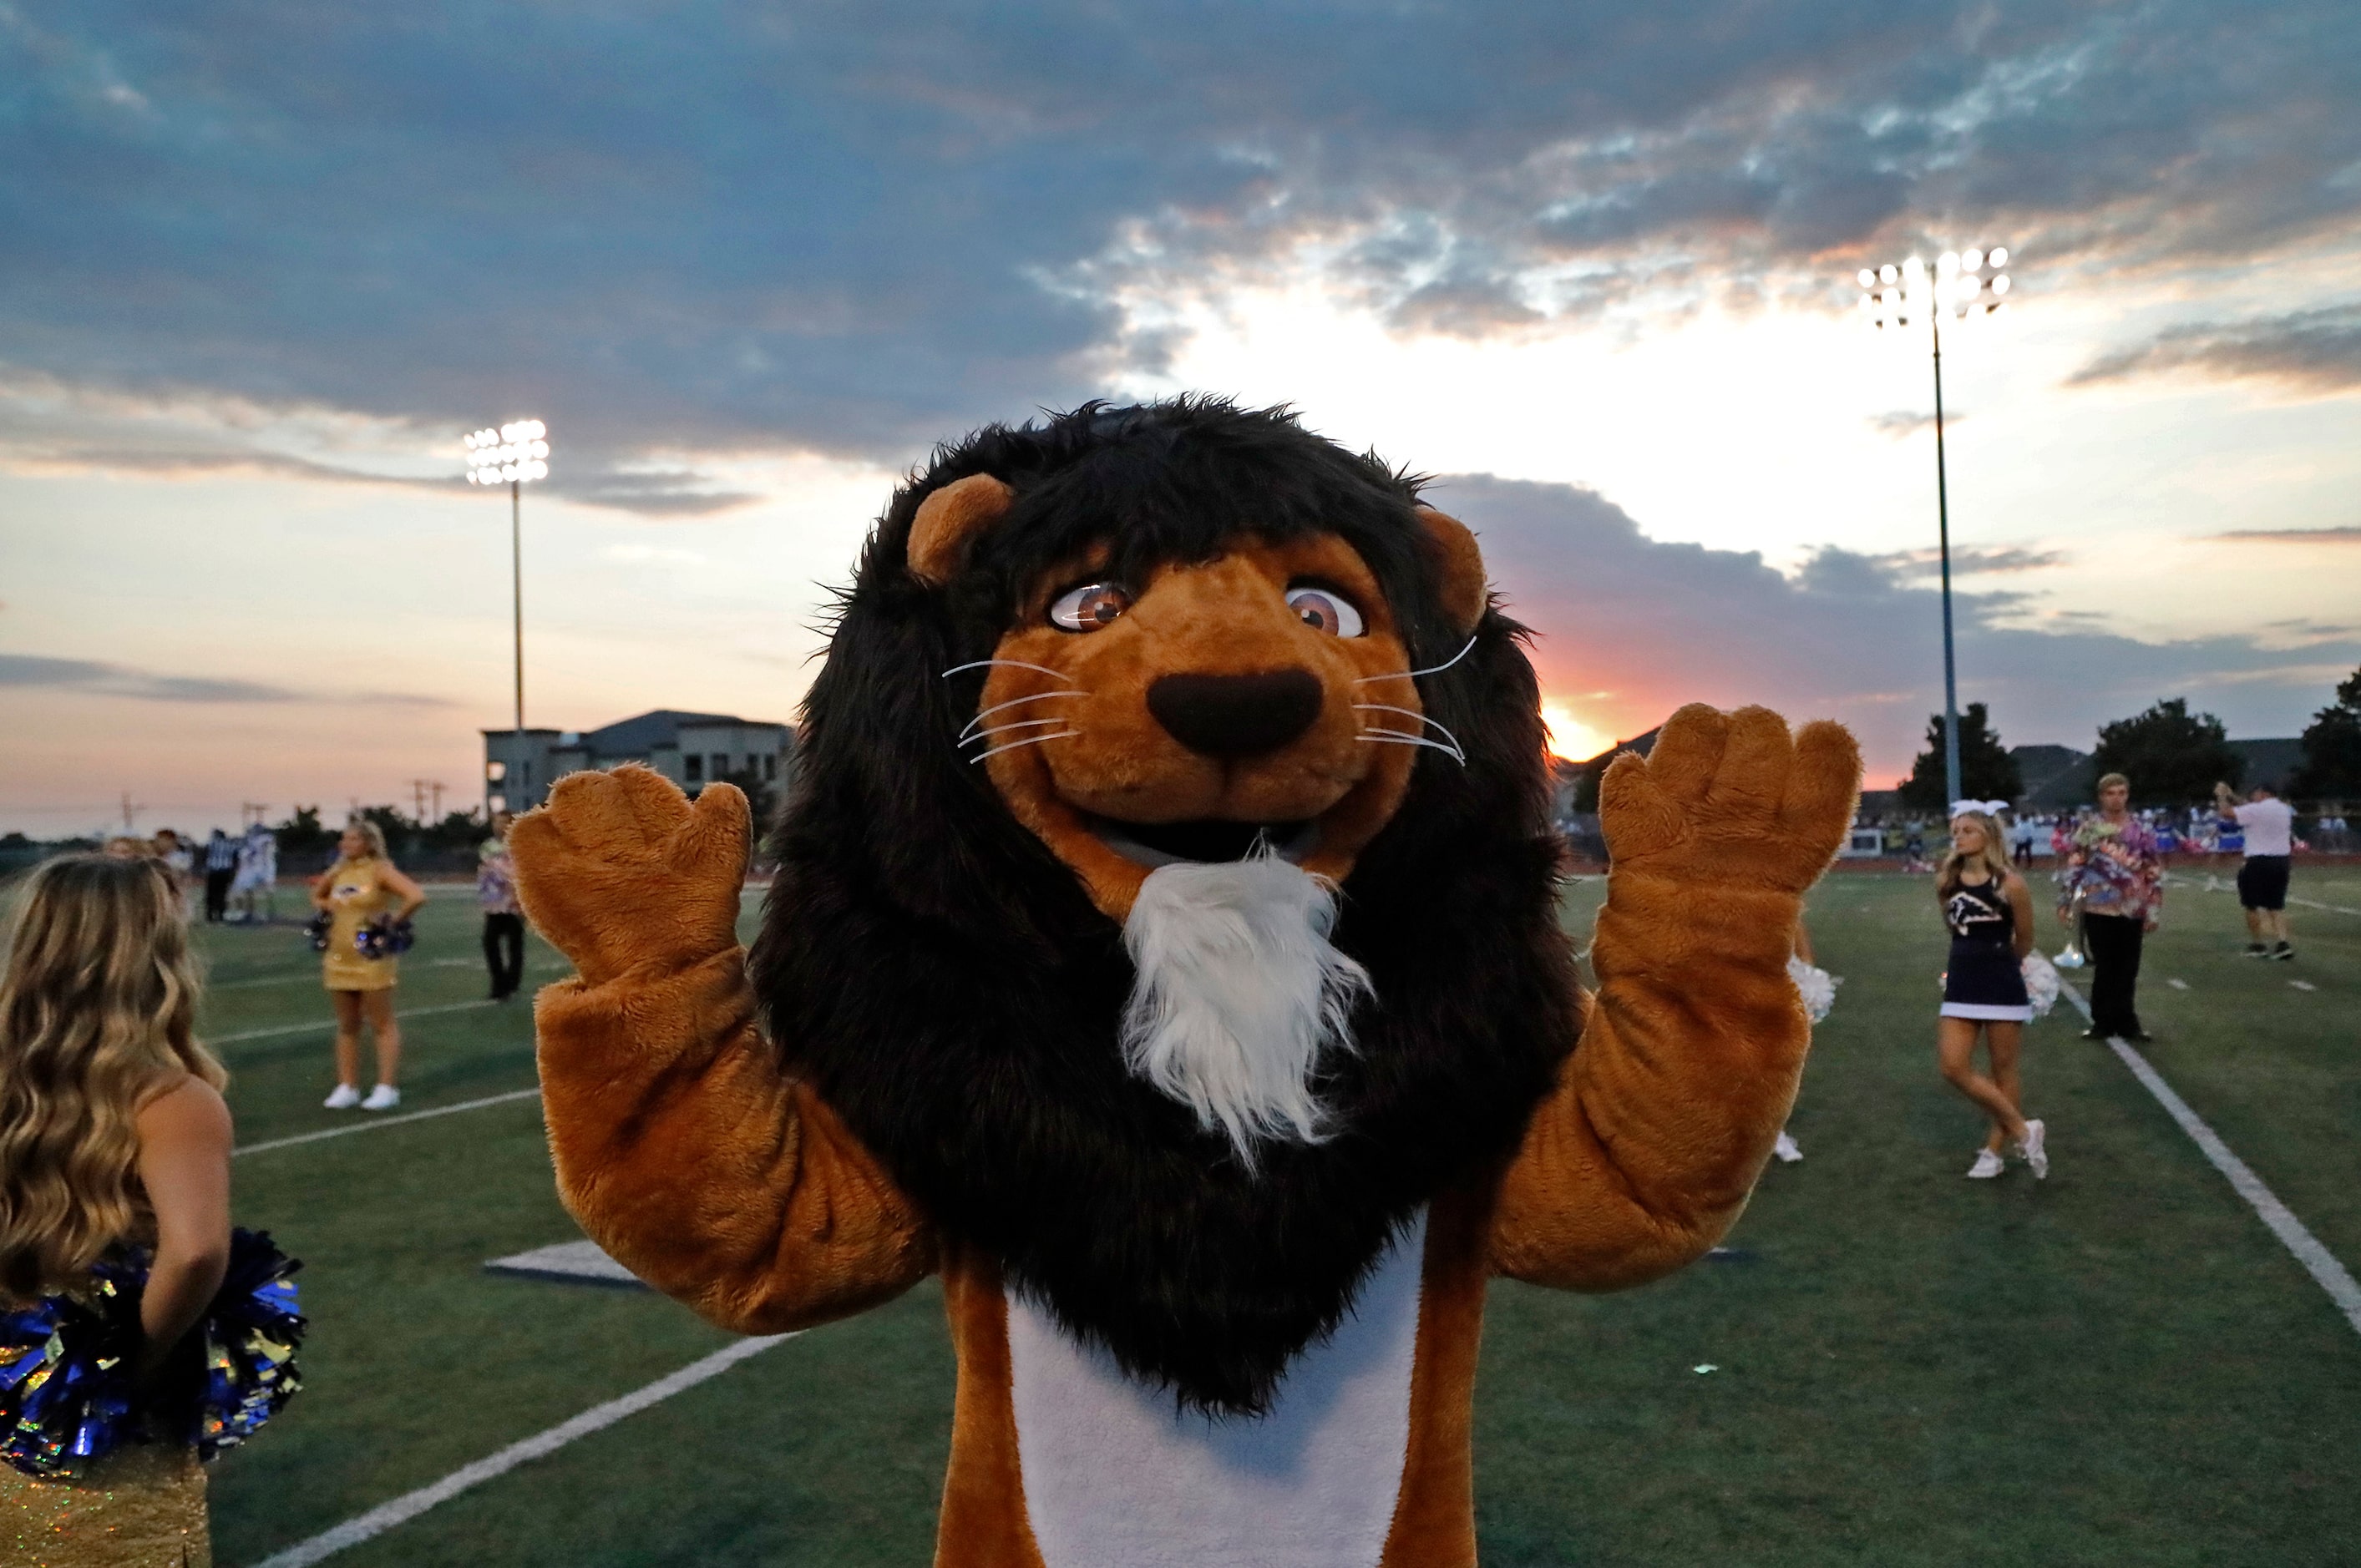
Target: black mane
(946, 985)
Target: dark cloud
(116, 680)
(2310, 351)
(2293, 535)
(128, 457)
(860, 228)
(1850, 636)
(1966, 561)
(1898, 422)
(652, 495)
(47, 424)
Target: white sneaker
(1784, 1151)
(344, 1097)
(1988, 1165)
(384, 1097)
(2036, 1153)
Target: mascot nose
(1236, 716)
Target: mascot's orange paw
(622, 872)
(1729, 798)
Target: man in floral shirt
(503, 921)
(2115, 872)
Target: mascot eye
(1324, 609)
(1090, 606)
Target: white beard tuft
(1239, 994)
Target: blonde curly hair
(97, 1007)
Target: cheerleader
(113, 1136)
(1817, 988)
(365, 906)
(1990, 912)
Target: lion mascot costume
(1164, 950)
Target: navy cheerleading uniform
(1984, 982)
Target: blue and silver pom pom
(384, 938)
(66, 1365)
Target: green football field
(1891, 1365)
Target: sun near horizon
(1569, 737)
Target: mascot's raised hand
(1164, 949)
(623, 872)
(1689, 1059)
(650, 1062)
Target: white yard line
(2177, 984)
(2214, 884)
(310, 974)
(2318, 1261)
(329, 1025)
(408, 1507)
(370, 1121)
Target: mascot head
(1165, 895)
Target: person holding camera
(2266, 826)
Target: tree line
(2172, 756)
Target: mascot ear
(949, 521)
(1464, 597)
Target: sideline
(408, 1507)
(2318, 1261)
(375, 1121)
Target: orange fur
(949, 521)
(1227, 616)
(984, 1524)
(1434, 1518)
(1465, 593)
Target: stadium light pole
(515, 454)
(1966, 284)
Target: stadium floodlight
(514, 454)
(1965, 285)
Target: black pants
(504, 952)
(218, 892)
(2113, 942)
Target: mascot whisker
(974, 724)
(1214, 1044)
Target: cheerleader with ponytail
(138, 1334)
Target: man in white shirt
(2268, 824)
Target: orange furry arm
(1644, 1154)
(680, 1144)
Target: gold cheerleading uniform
(357, 894)
(143, 1506)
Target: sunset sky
(1592, 266)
